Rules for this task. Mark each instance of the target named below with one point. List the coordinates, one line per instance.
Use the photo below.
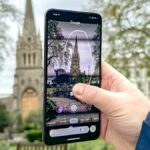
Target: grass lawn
(12, 148)
(89, 145)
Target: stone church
(28, 80)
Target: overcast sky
(39, 7)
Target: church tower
(75, 62)
(29, 71)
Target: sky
(39, 7)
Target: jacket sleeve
(144, 138)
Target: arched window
(29, 39)
(24, 59)
(29, 59)
(34, 58)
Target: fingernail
(78, 89)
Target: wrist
(126, 147)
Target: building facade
(29, 72)
(28, 79)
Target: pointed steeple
(76, 43)
(76, 47)
(29, 24)
(75, 62)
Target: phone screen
(72, 56)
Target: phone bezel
(75, 16)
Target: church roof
(29, 24)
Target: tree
(126, 33)
(7, 12)
(58, 47)
(96, 46)
(5, 120)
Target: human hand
(123, 107)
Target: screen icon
(93, 128)
(59, 109)
(73, 108)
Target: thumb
(104, 100)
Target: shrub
(34, 135)
(30, 126)
(33, 121)
(5, 119)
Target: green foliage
(81, 78)
(91, 145)
(96, 47)
(51, 106)
(12, 148)
(33, 126)
(34, 135)
(59, 51)
(4, 145)
(19, 123)
(5, 119)
(33, 121)
(7, 11)
(125, 31)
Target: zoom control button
(69, 131)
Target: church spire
(29, 24)
(75, 62)
(76, 47)
(76, 44)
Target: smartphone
(72, 55)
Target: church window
(29, 59)
(29, 39)
(24, 59)
(29, 80)
(34, 58)
(37, 81)
(22, 82)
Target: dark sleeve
(144, 138)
